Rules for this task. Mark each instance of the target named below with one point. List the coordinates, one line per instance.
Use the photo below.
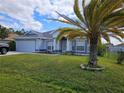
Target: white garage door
(25, 45)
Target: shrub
(101, 50)
(67, 53)
(120, 58)
(12, 45)
(111, 55)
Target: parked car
(4, 48)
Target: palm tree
(98, 19)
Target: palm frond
(59, 20)
(104, 9)
(106, 36)
(72, 21)
(113, 15)
(100, 40)
(94, 12)
(72, 35)
(115, 22)
(116, 37)
(116, 32)
(77, 12)
(65, 31)
(108, 7)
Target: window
(50, 47)
(50, 44)
(50, 40)
(80, 48)
(78, 45)
(74, 45)
(79, 40)
(73, 48)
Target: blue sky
(34, 14)
(47, 24)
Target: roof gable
(33, 33)
(48, 34)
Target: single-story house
(117, 48)
(34, 41)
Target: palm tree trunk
(93, 53)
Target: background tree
(98, 19)
(3, 32)
(20, 32)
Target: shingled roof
(48, 34)
(37, 34)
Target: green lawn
(58, 74)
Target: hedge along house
(34, 41)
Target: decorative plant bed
(86, 67)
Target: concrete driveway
(16, 53)
(12, 53)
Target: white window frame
(80, 50)
(51, 45)
(79, 40)
(88, 48)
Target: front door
(63, 44)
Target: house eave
(20, 38)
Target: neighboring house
(10, 37)
(108, 46)
(34, 41)
(117, 48)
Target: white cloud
(48, 7)
(35, 25)
(23, 10)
